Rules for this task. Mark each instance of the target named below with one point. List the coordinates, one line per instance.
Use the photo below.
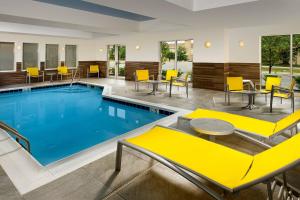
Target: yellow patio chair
(93, 69)
(34, 72)
(63, 71)
(233, 85)
(141, 76)
(283, 93)
(246, 125)
(270, 81)
(169, 74)
(195, 158)
(180, 82)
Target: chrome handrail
(17, 134)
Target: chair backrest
(62, 69)
(270, 81)
(287, 121)
(235, 83)
(142, 74)
(32, 71)
(292, 85)
(94, 68)
(171, 73)
(275, 160)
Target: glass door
(177, 54)
(116, 61)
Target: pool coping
(20, 163)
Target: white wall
(250, 53)
(86, 49)
(150, 49)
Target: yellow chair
(142, 76)
(63, 71)
(270, 81)
(169, 74)
(226, 168)
(283, 93)
(233, 85)
(247, 125)
(93, 69)
(180, 82)
(34, 72)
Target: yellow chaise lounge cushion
(250, 125)
(33, 71)
(210, 160)
(142, 75)
(230, 169)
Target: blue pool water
(62, 121)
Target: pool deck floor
(142, 178)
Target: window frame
(58, 57)
(38, 55)
(76, 55)
(14, 58)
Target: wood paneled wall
(84, 65)
(246, 70)
(212, 75)
(131, 66)
(208, 75)
(19, 76)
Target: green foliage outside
(297, 79)
(168, 55)
(122, 53)
(275, 51)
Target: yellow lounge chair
(34, 72)
(233, 85)
(226, 168)
(270, 81)
(179, 82)
(283, 93)
(63, 71)
(171, 73)
(93, 69)
(142, 76)
(263, 129)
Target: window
(177, 54)
(296, 55)
(51, 56)
(70, 56)
(30, 55)
(7, 56)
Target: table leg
(212, 138)
(153, 89)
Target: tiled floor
(141, 178)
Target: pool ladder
(18, 136)
(73, 77)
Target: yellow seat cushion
(171, 73)
(265, 91)
(180, 84)
(274, 159)
(94, 68)
(62, 70)
(33, 71)
(287, 121)
(281, 95)
(213, 161)
(235, 83)
(250, 125)
(142, 75)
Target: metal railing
(18, 136)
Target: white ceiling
(197, 5)
(58, 20)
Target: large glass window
(177, 54)
(276, 58)
(30, 55)
(51, 56)
(296, 55)
(116, 60)
(7, 56)
(70, 56)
